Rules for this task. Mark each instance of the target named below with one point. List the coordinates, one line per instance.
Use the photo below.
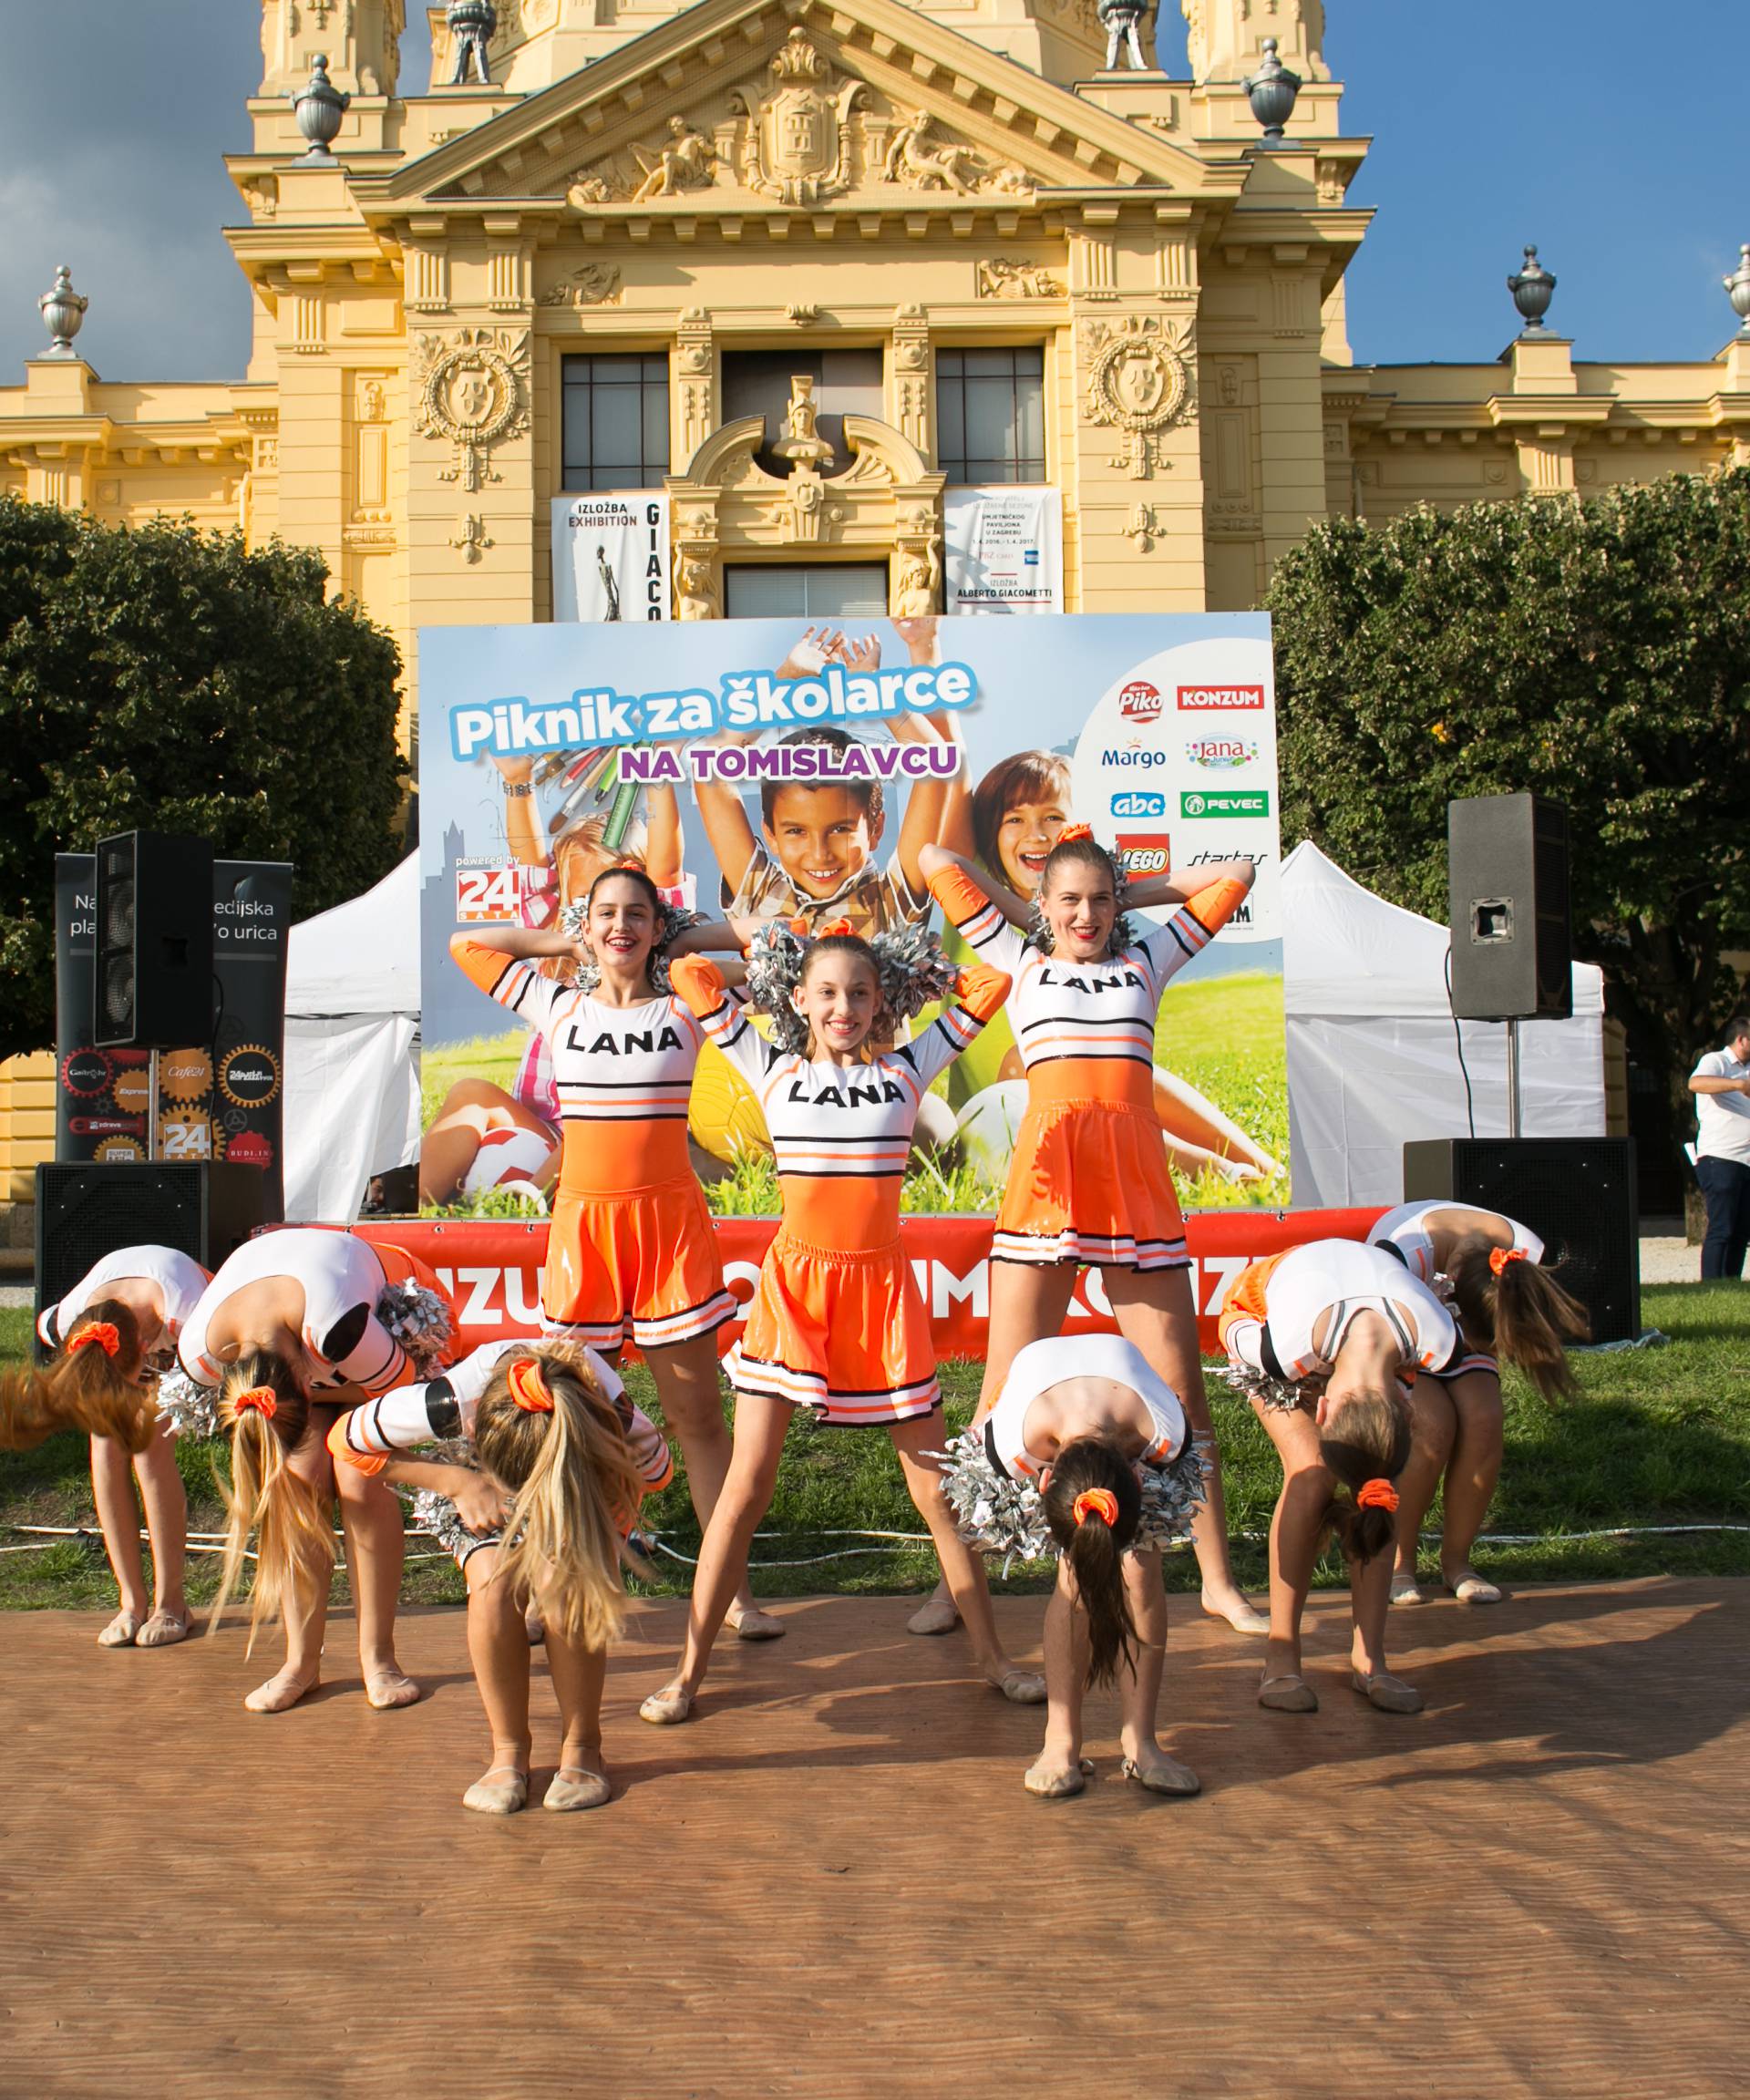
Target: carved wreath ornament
(473, 392)
(1139, 384)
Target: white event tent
(351, 1057)
(1372, 1052)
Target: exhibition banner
(221, 1099)
(779, 770)
(1004, 549)
(611, 556)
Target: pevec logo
(1196, 699)
(1140, 702)
(1145, 852)
(1134, 803)
(1220, 754)
(1228, 802)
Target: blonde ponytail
(577, 1489)
(27, 1415)
(96, 1385)
(264, 1412)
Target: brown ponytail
(1367, 1456)
(95, 1384)
(264, 1412)
(577, 1488)
(1522, 1315)
(1091, 1470)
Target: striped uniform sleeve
(512, 981)
(650, 1450)
(435, 1412)
(699, 982)
(976, 919)
(1189, 930)
(980, 994)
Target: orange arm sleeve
(959, 897)
(479, 963)
(698, 981)
(1213, 907)
(343, 1453)
(981, 992)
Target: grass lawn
(1227, 1038)
(1659, 1437)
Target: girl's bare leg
(1294, 1534)
(498, 1647)
(307, 1617)
(1155, 1310)
(112, 1489)
(167, 1526)
(747, 1495)
(962, 1570)
(1183, 1113)
(1027, 1303)
(578, 1674)
(1475, 1467)
(377, 1546)
(1057, 1769)
(688, 1386)
(1139, 1682)
(1370, 1598)
(1434, 1423)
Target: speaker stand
(152, 1106)
(1512, 1079)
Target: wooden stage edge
(831, 1883)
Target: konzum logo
(1136, 804)
(1141, 702)
(1145, 852)
(1193, 699)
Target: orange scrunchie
(838, 931)
(101, 1333)
(262, 1398)
(1072, 832)
(529, 1388)
(1498, 1257)
(1099, 1502)
(1376, 1495)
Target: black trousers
(1725, 1183)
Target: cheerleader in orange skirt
(631, 1251)
(837, 1324)
(1088, 1185)
(295, 1325)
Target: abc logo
(1136, 805)
(1139, 700)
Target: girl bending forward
(1326, 1340)
(836, 1324)
(548, 1463)
(1507, 1305)
(1087, 1446)
(294, 1326)
(115, 1333)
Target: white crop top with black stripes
(1406, 1230)
(1343, 1279)
(179, 1278)
(1042, 1364)
(342, 1280)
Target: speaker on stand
(152, 957)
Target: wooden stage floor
(833, 1883)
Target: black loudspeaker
(1577, 1194)
(153, 953)
(1512, 947)
(201, 1208)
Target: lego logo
(1196, 698)
(1139, 700)
(1145, 852)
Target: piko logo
(1140, 702)
(1135, 802)
(1196, 699)
(1145, 852)
(1231, 802)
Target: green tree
(1597, 653)
(170, 679)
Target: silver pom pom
(773, 971)
(991, 1512)
(188, 1408)
(910, 966)
(1259, 1386)
(420, 1321)
(914, 968)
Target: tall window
(991, 415)
(616, 421)
(817, 591)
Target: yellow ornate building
(997, 262)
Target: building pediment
(751, 104)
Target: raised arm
(501, 968)
(933, 809)
(1178, 886)
(979, 995)
(702, 986)
(665, 840)
(971, 908)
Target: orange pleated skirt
(644, 1263)
(844, 1333)
(1089, 1183)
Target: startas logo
(1220, 754)
(1230, 802)
(1200, 699)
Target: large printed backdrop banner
(546, 752)
(221, 1099)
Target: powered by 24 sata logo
(1225, 802)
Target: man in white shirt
(1721, 1084)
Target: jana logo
(1234, 802)
(1220, 754)
(1139, 805)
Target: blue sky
(1496, 122)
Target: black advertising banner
(218, 1100)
